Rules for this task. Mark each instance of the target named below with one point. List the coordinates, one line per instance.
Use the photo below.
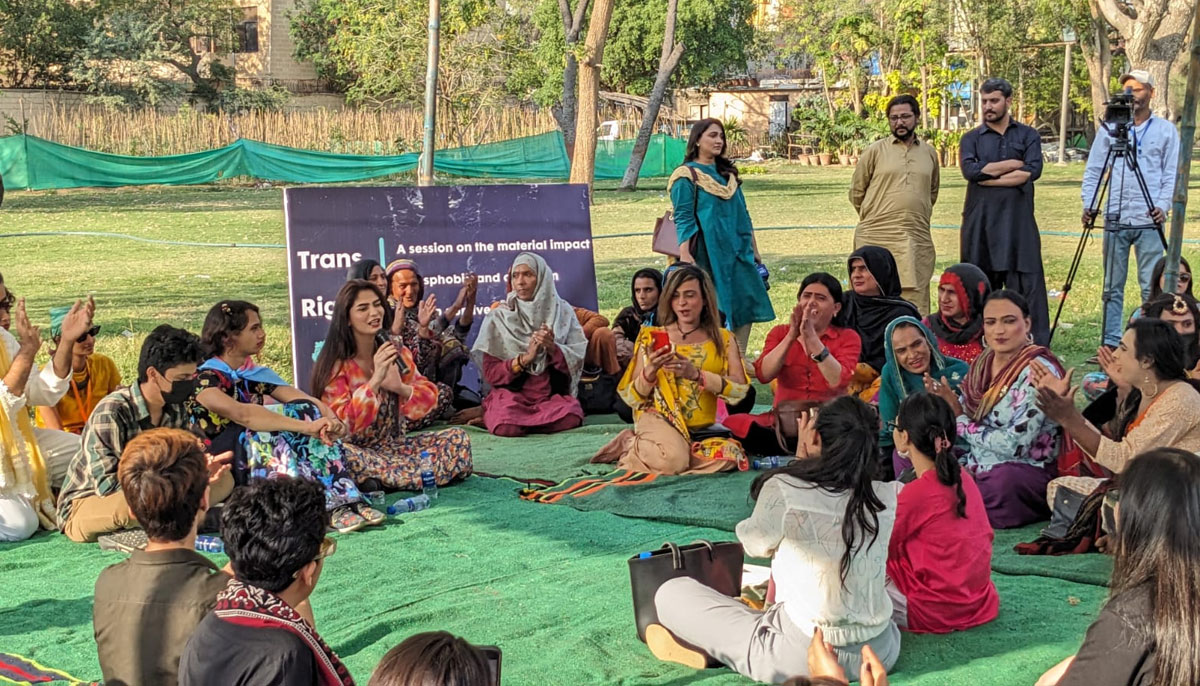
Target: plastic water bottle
(771, 462)
(210, 544)
(413, 504)
(764, 273)
(428, 482)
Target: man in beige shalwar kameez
(894, 188)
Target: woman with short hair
(433, 658)
(297, 436)
(93, 376)
(808, 361)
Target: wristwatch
(821, 356)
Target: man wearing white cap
(1128, 222)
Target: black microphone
(381, 338)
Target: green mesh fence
(30, 162)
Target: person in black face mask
(91, 503)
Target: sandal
(344, 520)
(372, 516)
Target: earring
(1029, 337)
(1145, 382)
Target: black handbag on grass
(716, 565)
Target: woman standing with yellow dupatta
(714, 229)
(678, 371)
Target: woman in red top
(940, 555)
(958, 323)
(812, 359)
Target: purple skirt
(1014, 493)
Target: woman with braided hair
(940, 555)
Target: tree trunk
(1097, 55)
(1153, 37)
(667, 62)
(566, 111)
(855, 93)
(828, 96)
(1021, 92)
(583, 161)
(924, 90)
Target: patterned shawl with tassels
(22, 472)
(246, 605)
(981, 392)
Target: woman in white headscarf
(531, 351)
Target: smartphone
(492, 653)
(661, 339)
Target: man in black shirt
(1001, 160)
(260, 633)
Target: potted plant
(828, 142)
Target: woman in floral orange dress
(366, 388)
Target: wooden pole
(1187, 136)
(1064, 105)
(425, 173)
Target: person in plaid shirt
(91, 503)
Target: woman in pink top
(940, 556)
(373, 388)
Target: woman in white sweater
(826, 526)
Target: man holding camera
(1153, 147)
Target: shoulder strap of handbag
(695, 197)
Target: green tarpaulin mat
(30, 162)
(549, 585)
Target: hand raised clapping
(942, 389)
(1055, 396)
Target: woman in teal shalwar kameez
(706, 188)
(904, 374)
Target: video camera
(1118, 111)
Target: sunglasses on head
(92, 332)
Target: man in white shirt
(1128, 222)
(33, 459)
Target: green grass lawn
(139, 285)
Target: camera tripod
(1120, 150)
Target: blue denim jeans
(1117, 244)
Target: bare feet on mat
(471, 416)
(667, 648)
